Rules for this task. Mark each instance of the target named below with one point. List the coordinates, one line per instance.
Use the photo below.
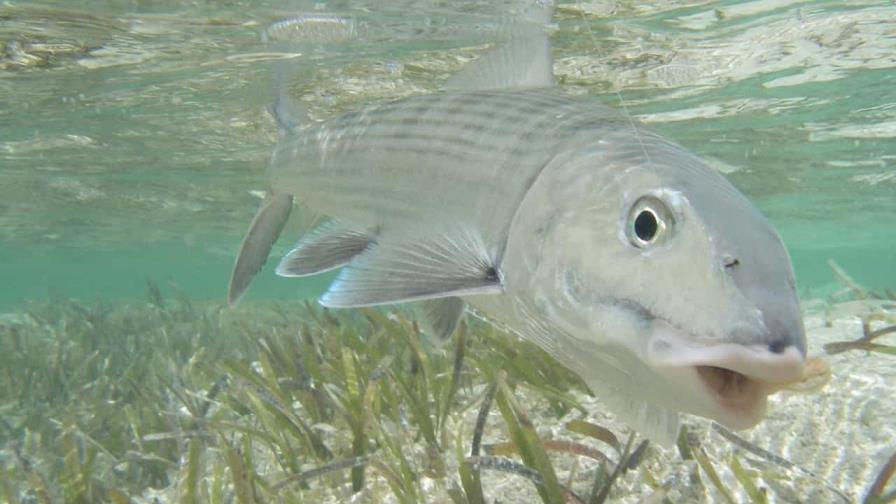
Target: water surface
(132, 133)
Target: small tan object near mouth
(815, 377)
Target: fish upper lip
(667, 348)
(755, 362)
(737, 377)
(741, 379)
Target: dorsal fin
(326, 247)
(522, 60)
(444, 265)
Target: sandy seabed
(834, 441)
(821, 447)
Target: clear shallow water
(131, 133)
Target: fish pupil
(646, 225)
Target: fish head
(671, 285)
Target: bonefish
(615, 249)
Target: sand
(834, 441)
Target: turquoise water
(134, 138)
(132, 132)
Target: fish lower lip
(734, 391)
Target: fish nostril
(778, 346)
(730, 261)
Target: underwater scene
(499, 251)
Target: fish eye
(649, 222)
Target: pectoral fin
(455, 264)
(263, 232)
(324, 248)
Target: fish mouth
(739, 395)
(733, 381)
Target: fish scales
(454, 120)
(468, 155)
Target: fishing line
(618, 92)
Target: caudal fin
(295, 37)
(263, 232)
(288, 111)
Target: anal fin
(324, 248)
(449, 264)
(263, 232)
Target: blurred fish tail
(297, 36)
(263, 232)
(293, 37)
(286, 110)
(274, 211)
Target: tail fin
(288, 112)
(263, 232)
(293, 36)
(299, 35)
(274, 211)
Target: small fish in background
(320, 28)
(619, 252)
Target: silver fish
(613, 248)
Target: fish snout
(771, 289)
(785, 333)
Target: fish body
(613, 248)
(463, 158)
